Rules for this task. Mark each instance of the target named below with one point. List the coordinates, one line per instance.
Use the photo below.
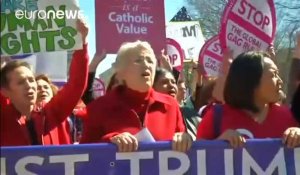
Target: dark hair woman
(252, 89)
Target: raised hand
(165, 61)
(83, 29)
(98, 58)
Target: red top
(124, 110)
(50, 119)
(278, 119)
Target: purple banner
(205, 158)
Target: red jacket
(49, 119)
(113, 114)
(278, 119)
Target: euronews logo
(50, 14)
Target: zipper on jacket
(142, 124)
(139, 120)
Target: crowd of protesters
(146, 101)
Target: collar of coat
(154, 97)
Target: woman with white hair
(134, 107)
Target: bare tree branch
(209, 14)
(280, 5)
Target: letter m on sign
(189, 31)
(278, 163)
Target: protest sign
(266, 156)
(126, 21)
(98, 88)
(53, 64)
(30, 26)
(30, 59)
(175, 54)
(248, 25)
(211, 57)
(189, 35)
(21, 56)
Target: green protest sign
(30, 26)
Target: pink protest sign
(119, 21)
(248, 25)
(98, 88)
(211, 57)
(175, 54)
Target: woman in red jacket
(252, 88)
(25, 123)
(134, 106)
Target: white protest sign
(98, 88)
(31, 26)
(175, 54)
(189, 35)
(248, 25)
(30, 59)
(54, 64)
(211, 57)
